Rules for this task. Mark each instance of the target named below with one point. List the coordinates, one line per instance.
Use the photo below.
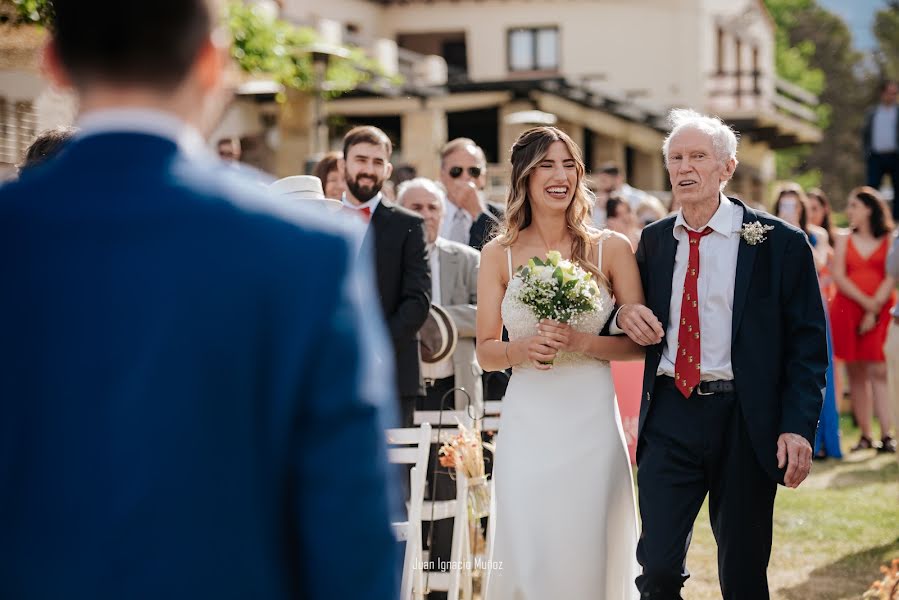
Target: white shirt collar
(143, 120)
(371, 204)
(721, 222)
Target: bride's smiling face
(553, 180)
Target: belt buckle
(699, 391)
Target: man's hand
(794, 452)
(465, 195)
(640, 324)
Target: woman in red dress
(861, 312)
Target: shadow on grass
(889, 471)
(848, 577)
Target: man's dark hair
(46, 145)
(884, 84)
(609, 168)
(366, 134)
(139, 42)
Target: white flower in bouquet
(555, 288)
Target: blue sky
(859, 16)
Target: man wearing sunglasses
(463, 172)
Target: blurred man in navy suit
(187, 407)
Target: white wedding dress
(564, 523)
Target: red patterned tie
(689, 348)
(365, 211)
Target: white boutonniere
(754, 233)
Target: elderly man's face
(695, 171)
(429, 206)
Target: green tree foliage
(278, 49)
(838, 156)
(814, 39)
(262, 45)
(793, 59)
(886, 29)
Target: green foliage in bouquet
(35, 12)
(555, 288)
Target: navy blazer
(779, 344)
(187, 407)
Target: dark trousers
(438, 536)
(879, 165)
(690, 448)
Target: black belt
(707, 388)
(435, 382)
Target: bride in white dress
(565, 523)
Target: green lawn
(830, 536)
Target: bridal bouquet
(554, 288)
(467, 451)
(888, 587)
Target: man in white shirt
(880, 140)
(397, 238)
(463, 172)
(733, 390)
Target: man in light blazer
(189, 402)
(454, 276)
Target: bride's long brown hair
(528, 151)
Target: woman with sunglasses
(565, 524)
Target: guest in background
(185, 376)
(861, 311)
(819, 213)
(791, 205)
(649, 211)
(454, 286)
(610, 182)
(46, 145)
(401, 256)
(230, 150)
(620, 218)
(470, 219)
(880, 140)
(891, 350)
(330, 171)
(403, 173)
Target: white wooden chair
(458, 581)
(411, 446)
(492, 411)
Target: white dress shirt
(372, 204)
(717, 276)
(443, 368)
(883, 129)
(146, 121)
(456, 224)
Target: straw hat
(302, 187)
(438, 335)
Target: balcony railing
(755, 92)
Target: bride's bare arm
(493, 353)
(624, 277)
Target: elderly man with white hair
(454, 286)
(732, 392)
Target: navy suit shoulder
(167, 376)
